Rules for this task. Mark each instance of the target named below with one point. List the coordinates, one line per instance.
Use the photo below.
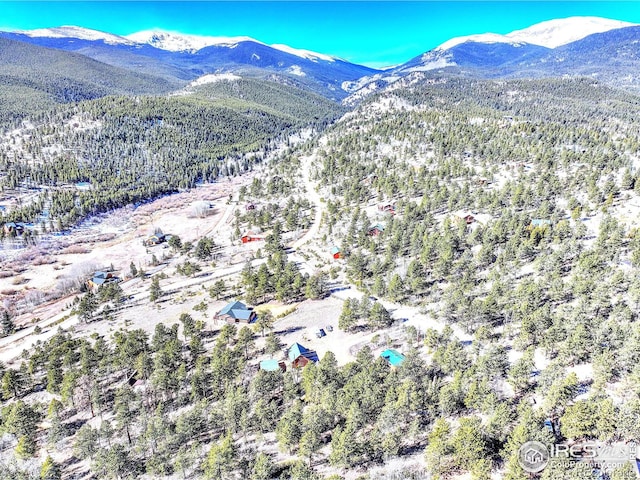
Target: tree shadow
(288, 330)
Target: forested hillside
(132, 149)
(514, 218)
(508, 211)
(34, 78)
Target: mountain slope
(273, 97)
(612, 57)
(140, 58)
(55, 76)
(476, 55)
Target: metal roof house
(540, 222)
(155, 239)
(100, 278)
(236, 312)
(300, 356)
(393, 357)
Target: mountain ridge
(185, 58)
(164, 40)
(546, 49)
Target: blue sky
(378, 33)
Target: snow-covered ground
(214, 78)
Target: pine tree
(262, 468)
(221, 459)
(87, 306)
(348, 318)
(264, 321)
(86, 442)
(7, 327)
(133, 270)
(155, 292)
(11, 383)
(50, 470)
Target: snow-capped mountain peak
(178, 42)
(550, 34)
(479, 38)
(554, 33)
(309, 55)
(69, 31)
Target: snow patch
(352, 86)
(479, 38)
(296, 70)
(213, 78)
(432, 65)
(309, 55)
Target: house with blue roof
(272, 365)
(300, 356)
(236, 312)
(100, 278)
(155, 239)
(14, 228)
(393, 357)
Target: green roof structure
(394, 357)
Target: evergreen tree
(7, 327)
(262, 468)
(221, 459)
(50, 470)
(155, 292)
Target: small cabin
(540, 222)
(155, 239)
(251, 237)
(376, 230)
(387, 208)
(13, 228)
(101, 278)
(272, 365)
(335, 253)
